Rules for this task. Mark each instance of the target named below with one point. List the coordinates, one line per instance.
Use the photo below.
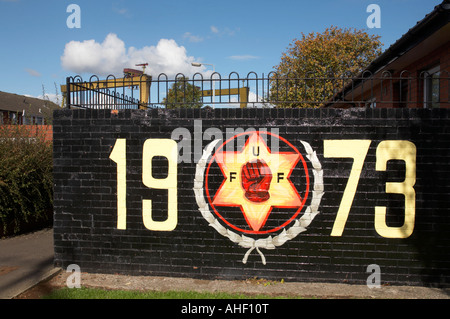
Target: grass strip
(93, 293)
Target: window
(38, 120)
(431, 94)
(12, 118)
(401, 93)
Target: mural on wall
(257, 190)
(253, 182)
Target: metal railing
(272, 90)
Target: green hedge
(26, 181)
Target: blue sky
(38, 49)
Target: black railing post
(68, 92)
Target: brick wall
(323, 221)
(439, 57)
(404, 87)
(42, 131)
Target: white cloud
(258, 101)
(111, 57)
(123, 12)
(192, 38)
(32, 72)
(224, 31)
(254, 101)
(57, 99)
(243, 57)
(214, 29)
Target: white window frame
(426, 85)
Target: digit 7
(356, 149)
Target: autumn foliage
(319, 65)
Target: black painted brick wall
(85, 218)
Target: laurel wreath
(270, 242)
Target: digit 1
(118, 155)
(168, 149)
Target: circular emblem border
(301, 160)
(300, 225)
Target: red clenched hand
(256, 177)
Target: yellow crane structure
(242, 92)
(138, 79)
(132, 78)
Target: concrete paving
(25, 261)
(253, 287)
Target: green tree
(316, 67)
(183, 94)
(26, 179)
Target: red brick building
(413, 72)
